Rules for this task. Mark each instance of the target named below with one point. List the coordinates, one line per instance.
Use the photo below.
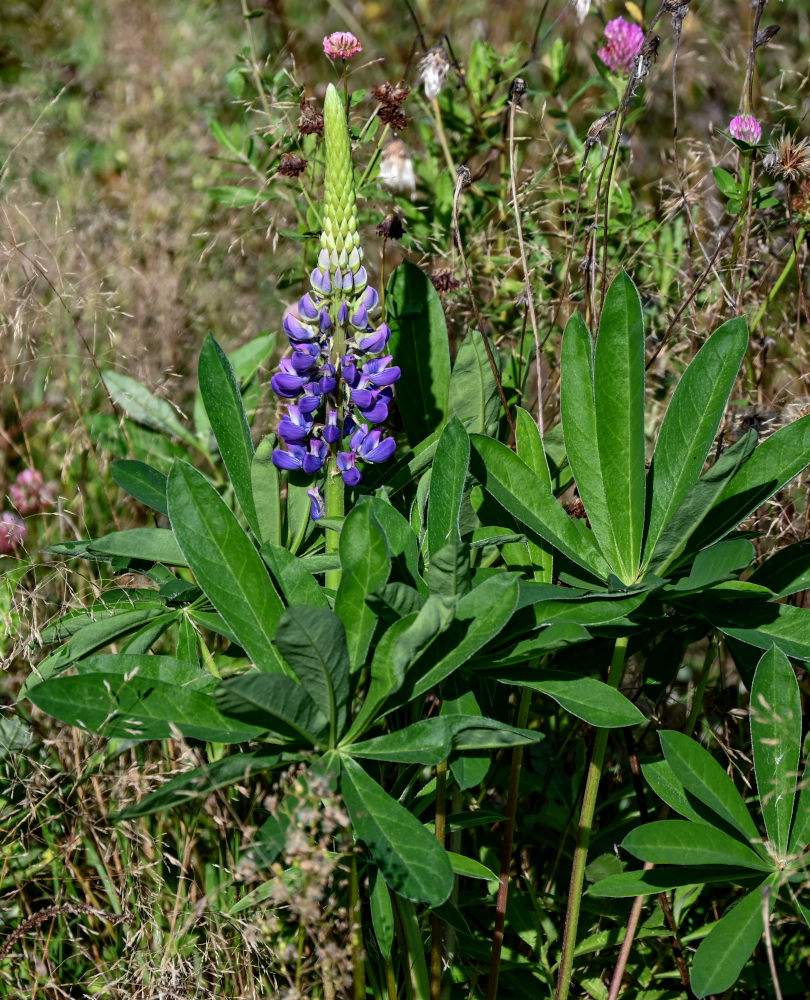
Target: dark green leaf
(518, 490)
(677, 841)
(264, 479)
(313, 643)
(473, 397)
(146, 544)
(776, 735)
(223, 404)
(202, 781)
(690, 425)
(142, 482)
(382, 914)
(296, 583)
(655, 880)
(774, 463)
(618, 375)
(420, 345)
(433, 740)
(272, 702)
(584, 697)
(137, 707)
(708, 783)
(787, 571)
(447, 485)
(411, 860)
(364, 568)
(728, 946)
(225, 564)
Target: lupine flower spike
(745, 128)
(623, 41)
(338, 379)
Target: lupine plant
(393, 626)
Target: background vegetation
(130, 228)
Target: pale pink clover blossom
(341, 45)
(12, 533)
(623, 41)
(745, 128)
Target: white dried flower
(581, 9)
(433, 70)
(396, 168)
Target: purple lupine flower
(746, 128)
(341, 45)
(623, 41)
(337, 379)
(12, 533)
(317, 507)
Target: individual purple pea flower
(296, 426)
(331, 432)
(745, 128)
(371, 446)
(12, 533)
(623, 41)
(376, 341)
(341, 45)
(288, 382)
(317, 506)
(345, 463)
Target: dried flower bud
(433, 70)
(392, 227)
(389, 95)
(394, 117)
(789, 159)
(766, 34)
(800, 203)
(311, 121)
(443, 280)
(396, 168)
(581, 9)
(291, 165)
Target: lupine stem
(436, 927)
(355, 915)
(506, 850)
(584, 834)
(335, 497)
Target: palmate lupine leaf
(447, 489)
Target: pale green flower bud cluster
(339, 238)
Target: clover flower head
(12, 533)
(745, 128)
(30, 494)
(623, 41)
(341, 45)
(337, 380)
